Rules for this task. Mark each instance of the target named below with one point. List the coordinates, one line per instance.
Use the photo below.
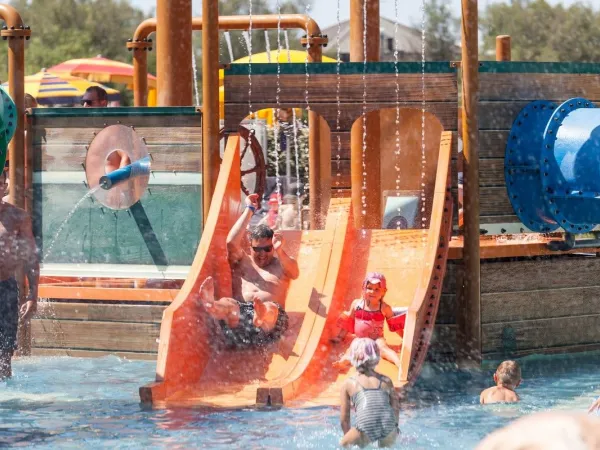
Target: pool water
(61, 402)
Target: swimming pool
(93, 403)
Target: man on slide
(254, 316)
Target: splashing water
(64, 223)
(229, 46)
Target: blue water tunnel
(552, 166)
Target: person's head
(364, 354)
(374, 286)
(508, 374)
(95, 97)
(30, 101)
(261, 242)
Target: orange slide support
(297, 371)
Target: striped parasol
(101, 70)
(52, 89)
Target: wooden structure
(92, 307)
(193, 370)
(533, 300)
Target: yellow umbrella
(293, 56)
(104, 70)
(51, 89)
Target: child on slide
(366, 317)
(373, 397)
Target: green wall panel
(98, 235)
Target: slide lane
(193, 370)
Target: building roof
(409, 39)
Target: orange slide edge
(184, 342)
(423, 310)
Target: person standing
(17, 251)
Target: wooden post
(503, 48)
(174, 52)
(318, 182)
(469, 299)
(372, 160)
(140, 69)
(16, 34)
(211, 159)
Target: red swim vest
(368, 324)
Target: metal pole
(16, 33)
(210, 102)
(174, 53)
(266, 22)
(372, 160)
(469, 307)
(503, 48)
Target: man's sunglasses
(87, 102)
(266, 249)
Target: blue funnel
(552, 166)
(140, 167)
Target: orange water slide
(194, 370)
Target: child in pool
(366, 316)
(507, 379)
(373, 397)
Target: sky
(325, 11)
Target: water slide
(193, 368)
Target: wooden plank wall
(60, 143)
(502, 96)
(89, 329)
(534, 305)
(321, 94)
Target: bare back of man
(260, 278)
(17, 252)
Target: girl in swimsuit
(368, 314)
(373, 397)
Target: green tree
(542, 32)
(441, 32)
(65, 29)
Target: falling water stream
(64, 223)
(397, 151)
(195, 69)
(278, 109)
(423, 106)
(229, 46)
(338, 155)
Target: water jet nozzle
(135, 169)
